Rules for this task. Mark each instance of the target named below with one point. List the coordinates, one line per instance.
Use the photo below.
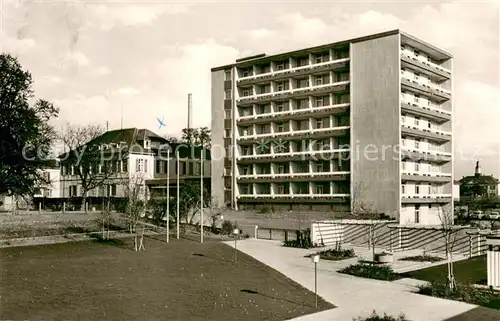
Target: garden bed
(375, 317)
(335, 254)
(422, 258)
(371, 271)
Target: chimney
(190, 110)
(478, 169)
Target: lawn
(181, 280)
(472, 270)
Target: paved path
(353, 296)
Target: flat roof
(241, 61)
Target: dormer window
(147, 143)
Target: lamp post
(315, 259)
(235, 233)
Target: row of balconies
(424, 124)
(429, 90)
(424, 62)
(250, 97)
(437, 114)
(439, 136)
(295, 134)
(291, 66)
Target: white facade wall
(427, 215)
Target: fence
(277, 234)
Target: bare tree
(445, 215)
(91, 161)
(134, 189)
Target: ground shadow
(248, 291)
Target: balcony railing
(292, 132)
(431, 107)
(430, 130)
(431, 174)
(426, 196)
(277, 72)
(293, 153)
(425, 61)
(429, 85)
(312, 174)
(294, 90)
(309, 195)
(425, 151)
(293, 111)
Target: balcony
(334, 109)
(285, 177)
(426, 177)
(426, 199)
(335, 87)
(423, 65)
(293, 198)
(417, 154)
(295, 71)
(295, 134)
(295, 156)
(433, 91)
(430, 134)
(437, 114)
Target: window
(417, 143)
(227, 133)
(417, 214)
(403, 119)
(403, 165)
(280, 127)
(280, 107)
(228, 75)
(416, 76)
(281, 169)
(246, 170)
(125, 165)
(147, 143)
(281, 189)
(417, 121)
(72, 170)
(227, 114)
(318, 80)
(227, 94)
(245, 73)
(319, 101)
(403, 189)
(319, 167)
(319, 123)
(280, 66)
(429, 125)
(319, 189)
(139, 165)
(112, 190)
(416, 98)
(159, 167)
(417, 167)
(404, 141)
(417, 189)
(402, 71)
(247, 150)
(246, 92)
(280, 86)
(145, 165)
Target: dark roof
(134, 137)
(479, 179)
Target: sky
(99, 60)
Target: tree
(25, 133)
(197, 136)
(445, 215)
(172, 139)
(92, 163)
(190, 200)
(135, 194)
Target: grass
(472, 270)
(467, 272)
(376, 317)
(180, 280)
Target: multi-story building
(479, 185)
(367, 118)
(52, 177)
(137, 153)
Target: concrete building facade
(366, 120)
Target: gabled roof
(479, 179)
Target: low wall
(396, 238)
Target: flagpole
(201, 192)
(178, 192)
(168, 193)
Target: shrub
(463, 292)
(337, 254)
(303, 240)
(422, 258)
(371, 271)
(385, 317)
(228, 227)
